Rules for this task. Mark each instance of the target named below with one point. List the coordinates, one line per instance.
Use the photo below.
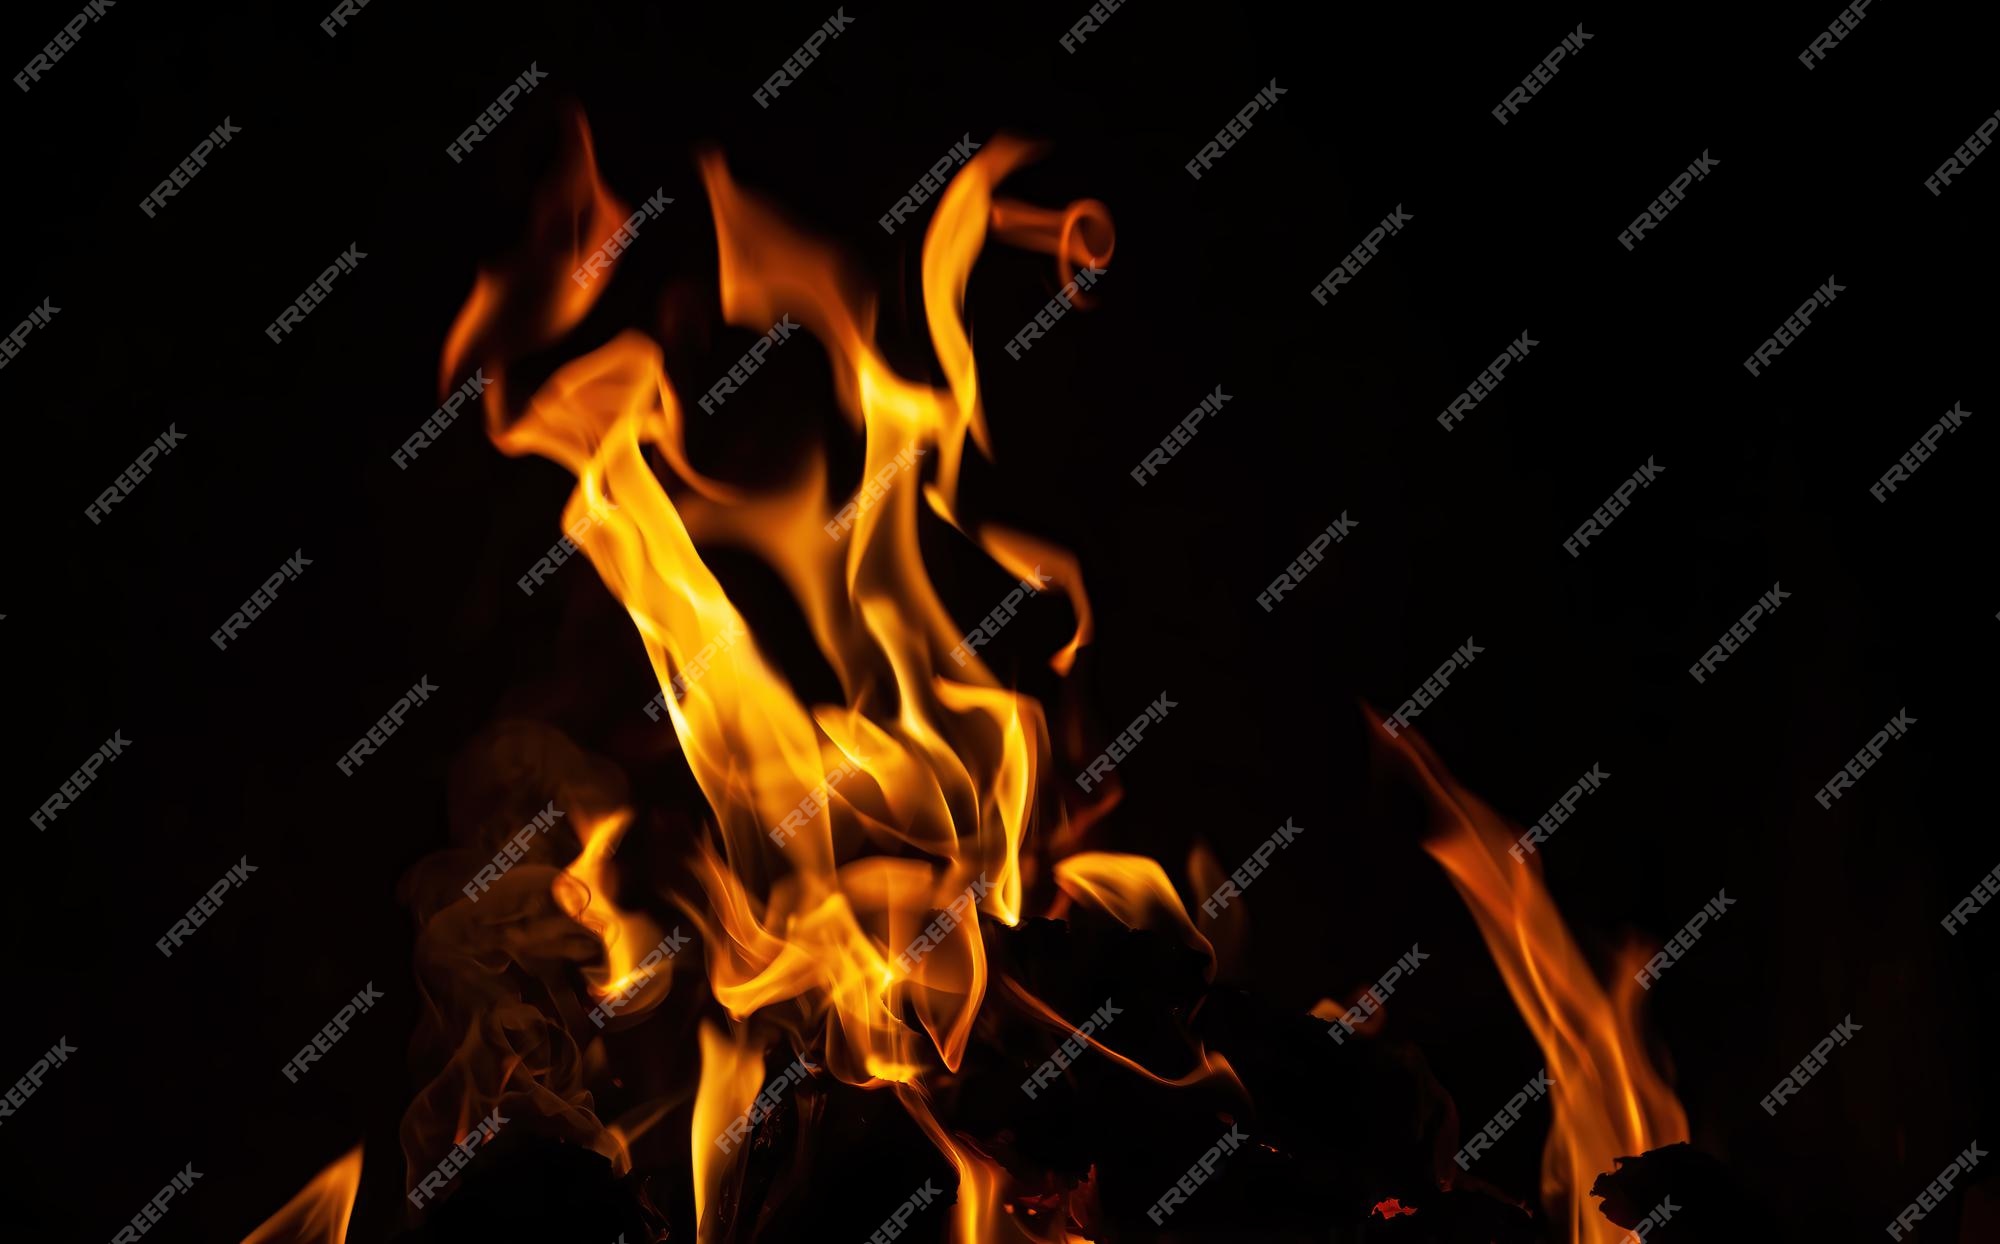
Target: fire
(319, 1213)
(731, 1074)
(1609, 1102)
(855, 843)
(584, 892)
(1135, 891)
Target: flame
(320, 1212)
(1210, 1065)
(1608, 1100)
(1024, 556)
(732, 1071)
(584, 891)
(499, 1015)
(855, 844)
(582, 215)
(1135, 891)
(1078, 234)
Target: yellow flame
(856, 842)
(731, 1074)
(584, 891)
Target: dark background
(1820, 173)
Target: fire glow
(851, 847)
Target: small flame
(990, 1209)
(576, 220)
(1133, 890)
(489, 969)
(584, 891)
(732, 1072)
(1210, 1065)
(981, 1196)
(320, 1212)
(1608, 1100)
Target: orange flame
(584, 891)
(581, 217)
(1212, 1066)
(495, 1030)
(856, 843)
(320, 1212)
(1133, 890)
(1608, 1100)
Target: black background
(1766, 479)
